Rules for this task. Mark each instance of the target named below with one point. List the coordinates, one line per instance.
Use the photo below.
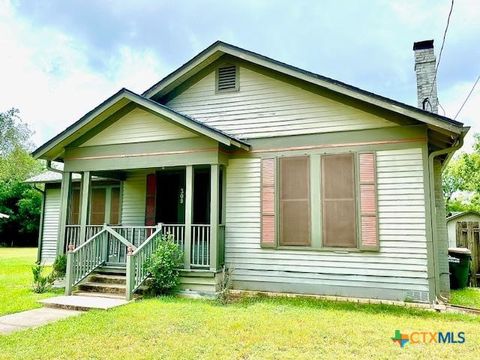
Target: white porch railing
(200, 250)
(200, 245)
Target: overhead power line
(441, 48)
(468, 96)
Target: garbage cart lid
(457, 250)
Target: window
(97, 209)
(295, 201)
(115, 206)
(75, 207)
(227, 78)
(338, 201)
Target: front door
(170, 196)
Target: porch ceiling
(122, 100)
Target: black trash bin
(459, 266)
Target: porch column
(84, 204)
(64, 210)
(188, 215)
(214, 203)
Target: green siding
(398, 271)
(51, 220)
(133, 198)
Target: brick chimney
(425, 63)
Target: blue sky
(61, 58)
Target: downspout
(49, 167)
(433, 207)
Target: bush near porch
(16, 280)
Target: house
(300, 183)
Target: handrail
(136, 273)
(86, 242)
(83, 260)
(119, 237)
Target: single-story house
(298, 182)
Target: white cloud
(46, 74)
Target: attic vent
(227, 78)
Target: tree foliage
(18, 200)
(463, 175)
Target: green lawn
(466, 297)
(16, 280)
(259, 328)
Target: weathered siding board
(399, 268)
(51, 219)
(138, 126)
(265, 106)
(133, 198)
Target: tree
(18, 200)
(463, 175)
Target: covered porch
(185, 202)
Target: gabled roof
(219, 48)
(462, 213)
(54, 147)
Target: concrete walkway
(33, 318)
(56, 308)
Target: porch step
(112, 269)
(99, 287)
(96, 295)
(106, 278)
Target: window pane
(97, 216)
(74, 207)
(338, 194)
(115, 206)
(294, 201)
(339, 182)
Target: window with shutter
(74, 207)
(368, 202)
(338, 200)
(268, 203)
(115, 206)
(295, 201)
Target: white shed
(452, 220)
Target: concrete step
(107, 278)
(82, 303)
(96, 287)
(96, 294)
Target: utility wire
(468, 96)
(441, 48)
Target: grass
(258, 328)
(252, 329)
(16, 279)
(466, 297)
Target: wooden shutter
(368, 202)
(338, 198)
(295, 201)
(268, 203)
(151, 200)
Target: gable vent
(227, 78)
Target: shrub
(41, 283)
(60, 266)
(164, 266)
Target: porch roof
(54, 148)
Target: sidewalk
(33, 318)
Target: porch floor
(83, 303)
